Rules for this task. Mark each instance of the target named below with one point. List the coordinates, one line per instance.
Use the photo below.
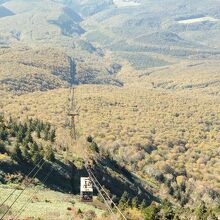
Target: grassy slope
(48, 204)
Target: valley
(147, 90)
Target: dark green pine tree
(2, 147)
(16, 154)
(14, 129)
(28, 136)
(124, 201)
(134, 202)
(35, 153)
(3, 134)
(38, 133)
(25, 154)
(151, 212)
(46, 134)
(143, 204)
(94, 147)
(52, 135)
(49, 154)
(20, 134)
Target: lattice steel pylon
(73, 113)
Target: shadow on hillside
(118, 180)
(115, 178)
(59, 179)
(66, 177)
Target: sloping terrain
(53, 205)
(199, 77)
(145, 129)
(25, 70)
(156, 110)
(57, 26)
(98, 35)
(4, 12)
(28, 150)
(156, 28)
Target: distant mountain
(163, 38)
(4, 12)
(98, 34)
(57, 26)
(68, 21)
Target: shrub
(49, 154)
(124, 201)
(89, 139)
(201, 211)
(79, 211)
(90, 215)
(94, 147)
(134, 202)
(2, 147)
(3, 209)
(151, 212)
(17, 154)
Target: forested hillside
(146, 79)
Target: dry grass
(48, 204)
(3, 156)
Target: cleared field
(195, 20)
(48, 204)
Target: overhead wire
(99, 191)
(19, 195)
(29, 174)
(21, 210)
(112, 202)
(97, 187)
(72, 108)
(91, 175)
(106, 202)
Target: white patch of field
(195, 20)
(125, 3)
